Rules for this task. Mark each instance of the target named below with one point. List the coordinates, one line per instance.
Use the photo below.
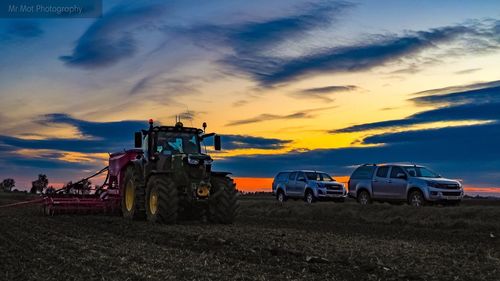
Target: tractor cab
(173, 140)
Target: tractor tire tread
(223, 203)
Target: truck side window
(363, 172)
(282, 176)
(382, 172)
(395, 171)
(292, 176)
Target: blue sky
(303, 84)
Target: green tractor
(168, 178)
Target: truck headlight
(193, 161)
(432, 184)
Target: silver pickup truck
(414, 184)
(307, 185)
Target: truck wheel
(162, 202)
(309, 198)
(132, 202)
(364, 198)
(222, 203)
(416, 199)
(281, 197)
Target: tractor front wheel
(162, 201)
(132, 196)
(222, 202)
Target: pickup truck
(396, 183)
(308, 185)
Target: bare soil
(269, 241)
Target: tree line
(41, 185)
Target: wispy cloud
(323, 93)
(232, 142)
(305, 114)
(459, 88)
(24, 29)
(155, 85)
(253, 36)
(271, 71)
(478, 93)
(473, 105)
(468, 71)
(111, 38)
(187, 115)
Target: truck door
(300, 184)
(290, 184)
(380, 183)
(398, 182)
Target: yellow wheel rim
(153, 202)
(129, 195)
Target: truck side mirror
(138, 139)
(217, 142)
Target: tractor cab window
(177, 143)
(145, 144)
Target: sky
(323, 85)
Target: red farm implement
(106, 199)
(165, 178)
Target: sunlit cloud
(305, 114)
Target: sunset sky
(323, 85)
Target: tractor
(167, 177)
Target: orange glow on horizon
(249, 184)
(253, 184)
(482, 189)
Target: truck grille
(334, 192)
(452, 193)
(448, 186)
(334, 187)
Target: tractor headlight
(208, 161)
(192, 161)
(203, 190)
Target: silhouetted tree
(7, 184)
(40, 184)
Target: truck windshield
(318, 176)
(169, 143)
(421, 172)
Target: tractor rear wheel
(132, 196)
(222, 202)
(162, 202)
